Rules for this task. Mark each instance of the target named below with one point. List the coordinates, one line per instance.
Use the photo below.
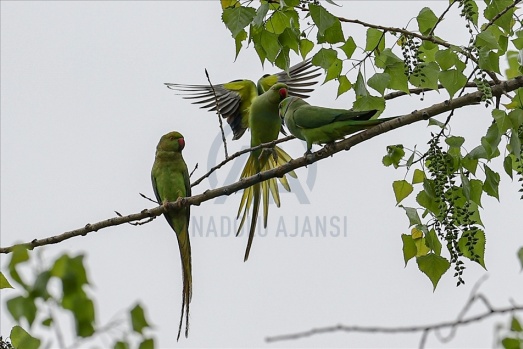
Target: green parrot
(235, 97)
(265, 125)
(170, 179)
(320, 125)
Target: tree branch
(346, 144)
(424, 329)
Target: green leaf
(269, 42)
(281, 20)
(426, 20)
(455, 141)
(237, 18)
(502, 120)
(242, 35)
(465, 184)
(418, 176)
(147, 343)
(487, 40)
(402, 189)
(421, 247)
(138, 319)
(507, 165)
(3, 282)
(488, 60)
(19, 255)
(305, 47)
(289, 39)
(398, 79)
(520, 257)
(394, 155)
(516, 117)
(433, 266)
(322, 18)
(511, 343)
(515, 144)
(412, 214)
(476, 189)
(121, 345)
(22, 307)
(344, 85)
(283, 60)
(491, 184)
(491, 141)
(334, 70)
(427, 76)
(360, 88)
(387, 58)
(425, 200)
(470, 163)
(515, 325)
(409, 248)
(446, 59)
(369, 103)
(375, 40)
(478, 152)
(332, 35)
(452, 80)
(472, 245)
(324, 58)
(432, 242)
(348, 47)
(23, 340)
(379, 82)
(261, 12)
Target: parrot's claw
(329, 146)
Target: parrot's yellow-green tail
(185, 254)
(256, 163)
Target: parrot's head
(278, 92)
(172, 141)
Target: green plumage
(318, 125)
(170, 179)
(265, 124)
(235, 97)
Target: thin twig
(346, 144)
(218, 112)
(425, 329)
(148, 198)
(418, 91)
(194, 169)
(441, 18)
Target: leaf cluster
(40, 303)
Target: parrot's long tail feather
(261, 191)
(185, 254)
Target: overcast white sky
(83, 106)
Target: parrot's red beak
(181, 143)
(283, 93)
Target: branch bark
(346, 144)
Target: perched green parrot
(235, 97)
(170, 179)
(320, 125)
(265, 125)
